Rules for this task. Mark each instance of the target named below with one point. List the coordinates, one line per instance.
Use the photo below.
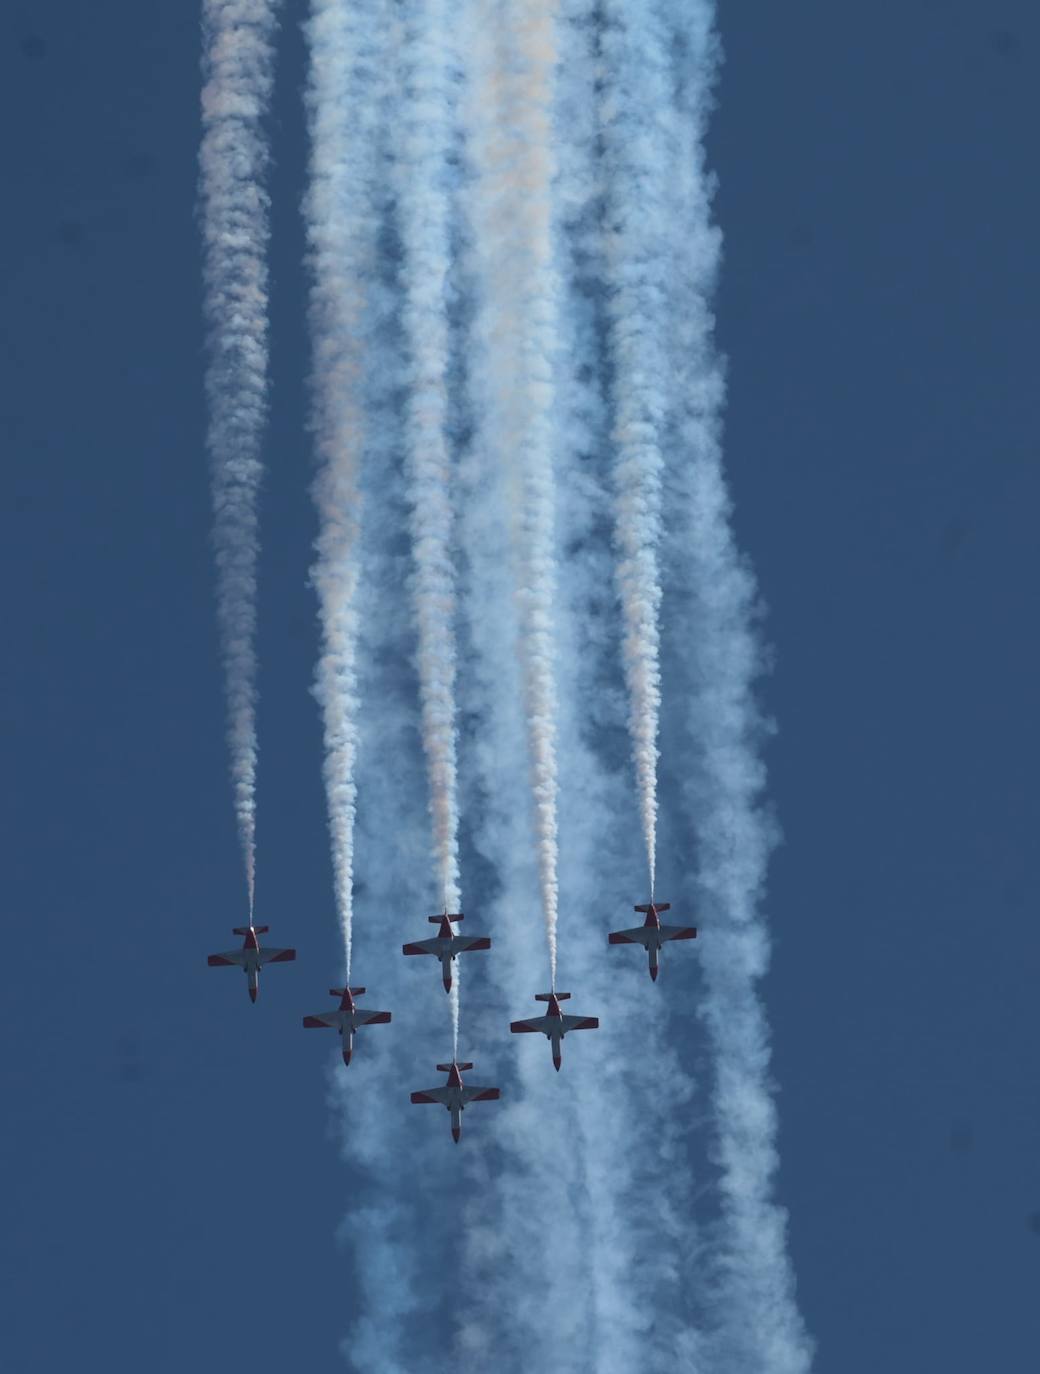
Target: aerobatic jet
(445, 945)
(652, 934)
(347, 1017)
(251, 956)
(554, 1025)
(455, 1095)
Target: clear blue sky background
(171, 1188)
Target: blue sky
(173, 1170)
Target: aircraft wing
(636, 936)
(579, 1022)
(432, 1095)
(476, 1094)
(277, 956)
(536, 1023)
(422, 947)
(678, 932)
(230, 956)
(372, 1018)
(324, 1018)
(460, 943)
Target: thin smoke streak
(238, 60)
(344, 81)
(636, 107)
(422, 146)
(512, 55)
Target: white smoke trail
(636, 109)
(511, 55)
(423, 146)
(237, 66)
(718, 736)
(344, 82)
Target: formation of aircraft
(251, 956)
(456, 1095)
(652, 934)
(445, 946)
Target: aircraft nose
(346, 1056)
(653, 974)
(557, 1063)
(252, 994)
(455, 1133)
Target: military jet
(652, 934)
(346, 1018)
(554, 1025)
(455, 1095)
(251, 956)
(445, 945)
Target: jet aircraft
(347, 1017)
(455, 1095)
(554, 1025)
(445, 945)
(251, 956)
(652, 934)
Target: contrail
(718, 733)
(342, 96)
(636, 105)
(237, 66)
(423, 146)
(511, 55)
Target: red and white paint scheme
(445, 945)
(250, 957)
(554, 1024)
(455, 1095)
(346, 1018)
(652, 934)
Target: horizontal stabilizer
(657, 906)
(447, 916)
(548, 996)
(446, 1068)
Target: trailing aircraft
(652, 934)
(250, 957)
(445, 945)
(554, 1025)
(346, 1018)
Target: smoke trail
(718, 738)
(424, 206)
(636, 109)
(344, 81)
(237, 67)
(512, 54)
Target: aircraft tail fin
(548, 996)
(446, 915)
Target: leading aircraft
(445, 945)
(251, 956)
(554, 1025)
(346, 1018)
(652, 934)
(455, 1095)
